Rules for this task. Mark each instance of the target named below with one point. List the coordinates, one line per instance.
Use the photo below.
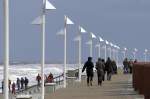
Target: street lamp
(79, 39)
(124, 52)
(105, 47)
(145, 54)
(99, 46)
(6, 48)
(134, 53)
(111, 45)
(41, 21)
(90, 42)
(63, 32)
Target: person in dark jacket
(100, 71)
(114, 66)
(126, 66)
(26, 81)
(130, 66)
(22, 83)
(103, 61)
(108, 69)
(2, 86)
(89, 70)
(18, 83)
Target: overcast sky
(123, 22)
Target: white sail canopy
(49, 6)
(69, 21)
(93, 35)
(37, 21)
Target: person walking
(13, 88)
(38, 79)
(114, 66)
(22, 83)
(89, 70)
(50, 78)
(26, 81)
(2, 86)
(18, 84)
(108, 69)
(103, 61)
(100, 71)
(126, 66)
(9, 85)
(130, 66)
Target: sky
(122, 22)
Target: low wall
(141, 78)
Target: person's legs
(109, 76)
(91, 79)
(98, 76)
(88, 80)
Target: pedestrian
(126, 67)
(22, 83)
(50, 78)
(13, 88)
(103, 69)
(130, 66)
(45, 78)
(9, 85)
(100, 71)
(114, 66)
(26, 81)
(135, 61)
(89, 70)
(18, 84)
(2, 86)
(38, 79)
(108, 68)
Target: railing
(58, 79)
(36, 89)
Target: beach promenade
(120, 87)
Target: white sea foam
(31, 70)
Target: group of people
(109, 67)
(128, 65)
(20, 85)
(48, 79)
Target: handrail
(56, 80)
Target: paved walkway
(119, 88)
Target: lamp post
(67, 21)
(105, 47)
(145, 54)
(134, 53)
(99, 46)
(111, 49)
(117, 54)
(41, 21)
(79, 39)
(6, 48)
(124, 52)
(90, 42)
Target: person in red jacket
(50, 78)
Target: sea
(32, 70)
